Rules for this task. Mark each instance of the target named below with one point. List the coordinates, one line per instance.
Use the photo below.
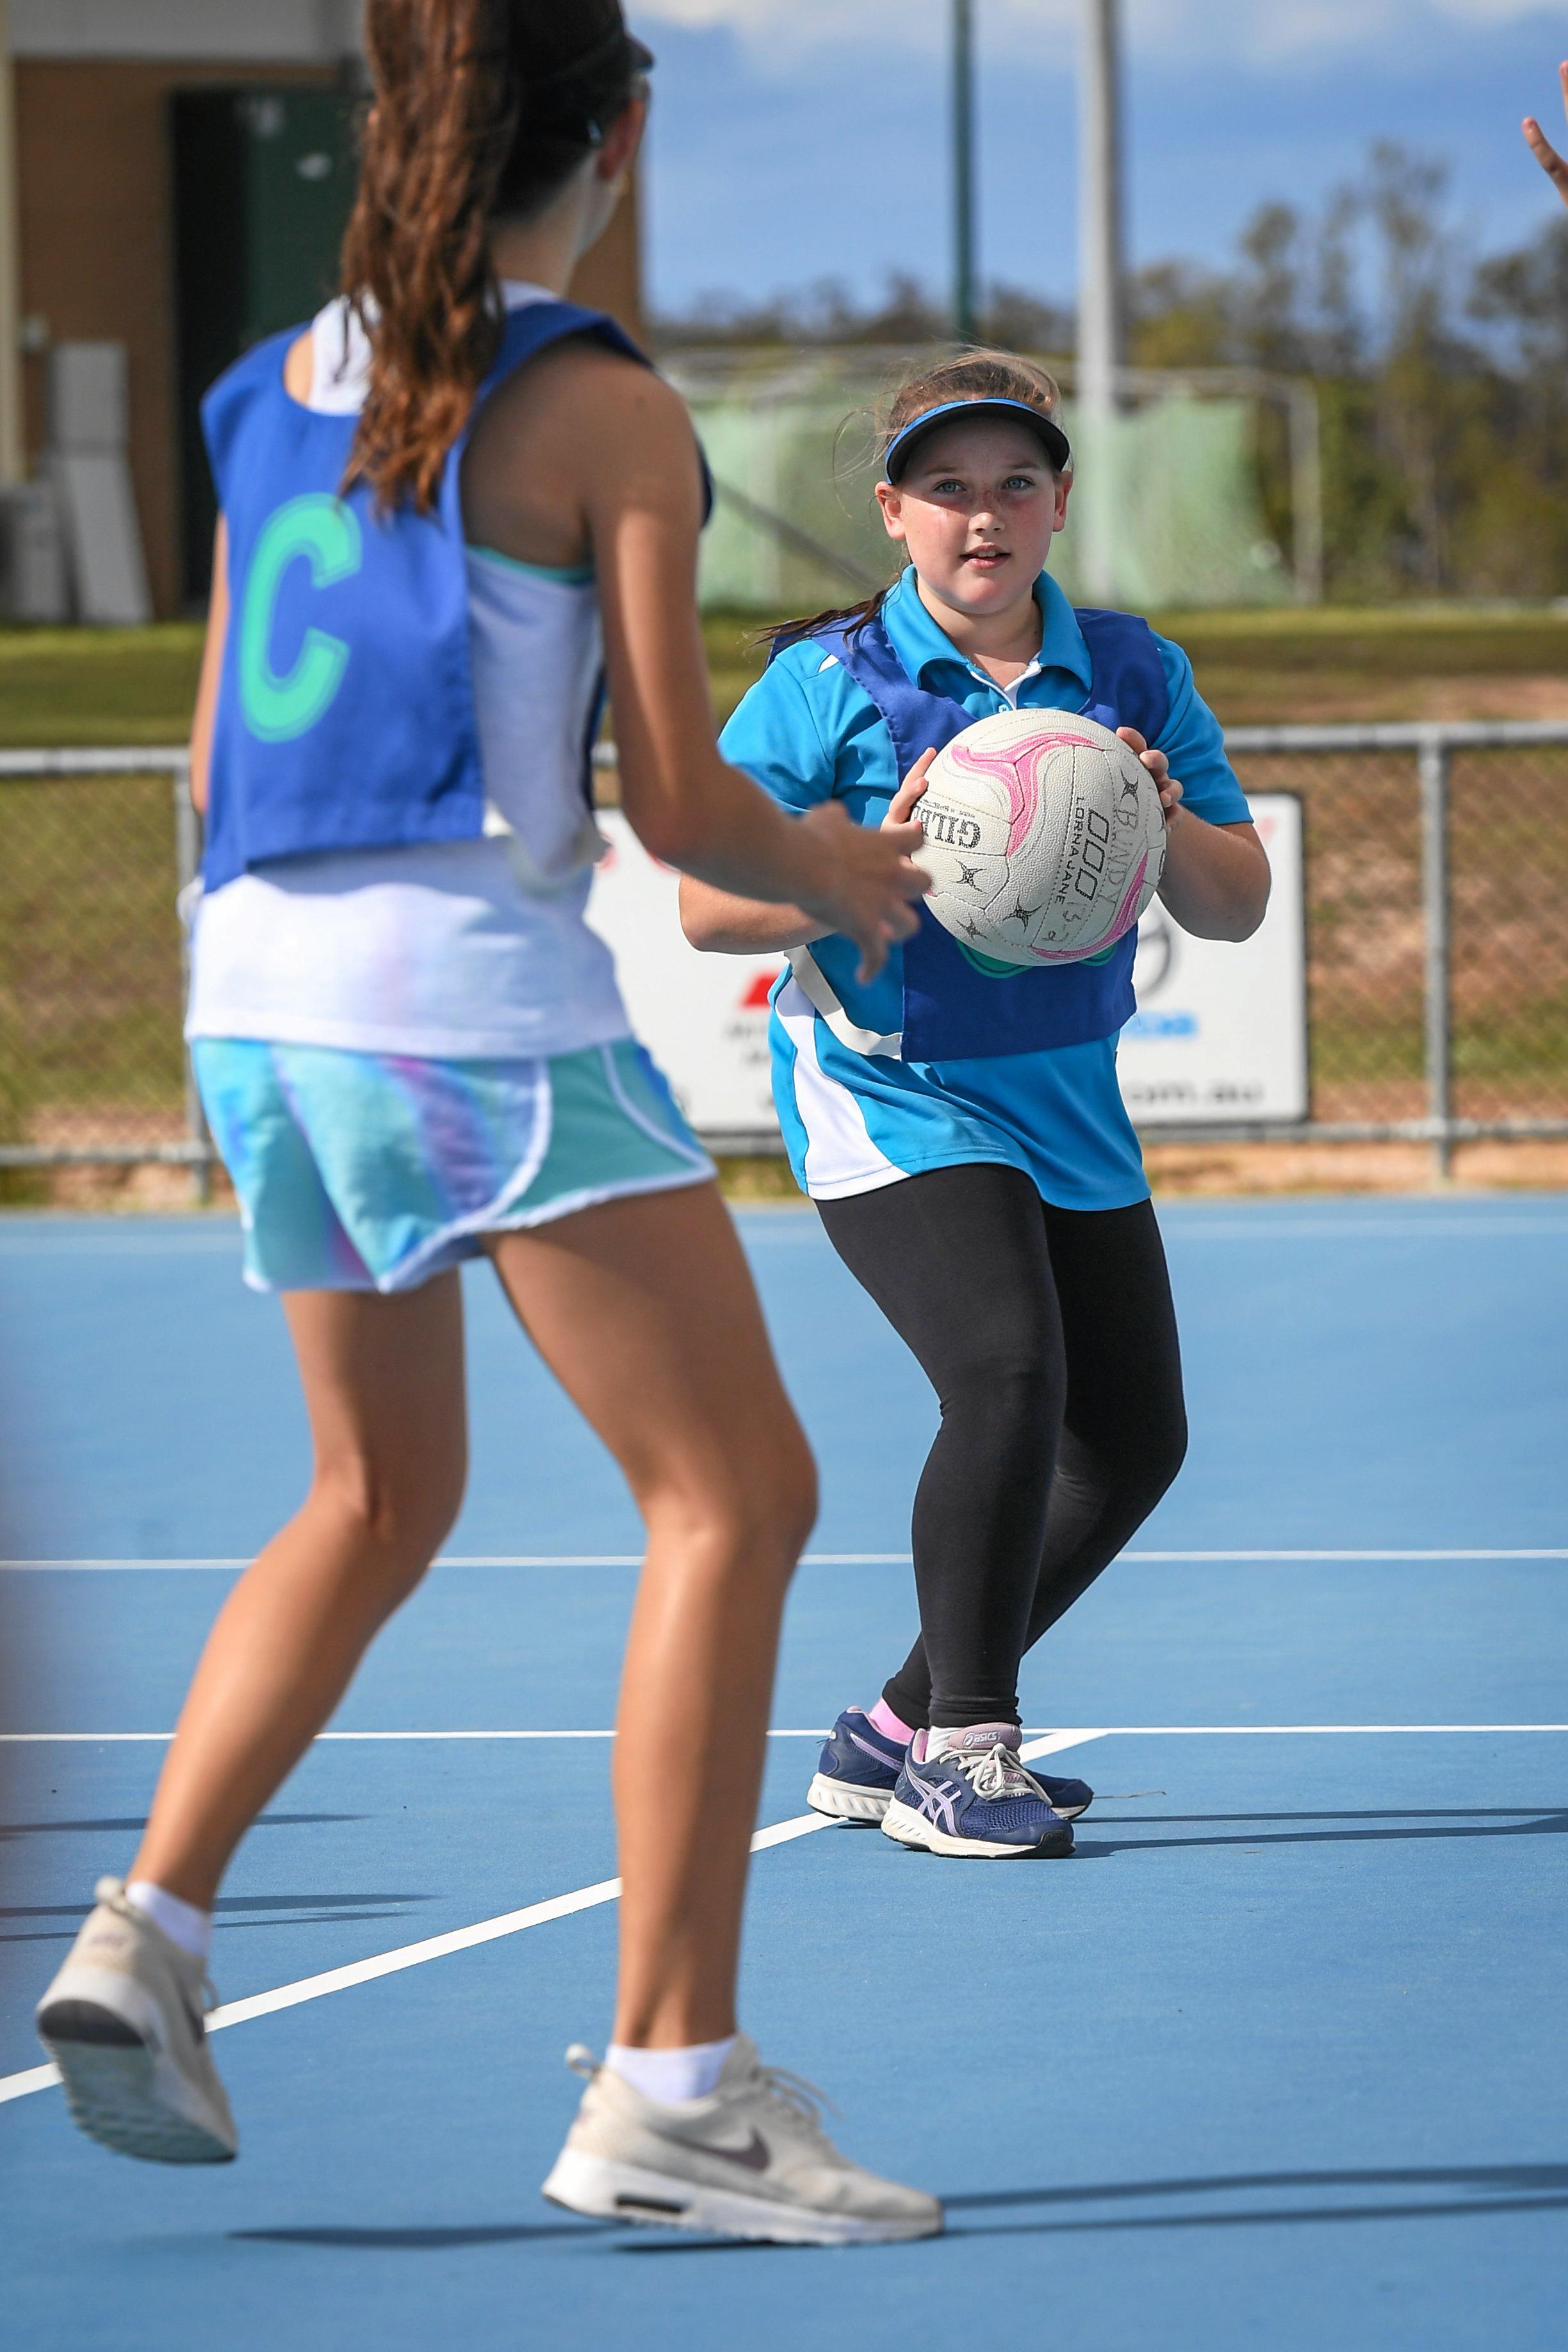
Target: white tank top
(465, 949)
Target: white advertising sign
(704, 1018)
(1220, 1033)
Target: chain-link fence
(93, 845)
(1436, 885)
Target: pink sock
(888, 1723)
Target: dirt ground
(1176, 1172)
(1179, 1171)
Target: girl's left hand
(1159, 767)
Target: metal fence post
(1306, 490)
(187, 858)
(1434, 756)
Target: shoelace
(801, 2101)
(998, 1773)
(113, 1897)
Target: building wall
(93, 174)
(292, 31)
(96, 246)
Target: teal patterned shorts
(374, 1171)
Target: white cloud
(789, 26)
(1271, 32)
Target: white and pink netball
(1045, 839)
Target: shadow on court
(259, 1910)
(430, 2242)
(1495, 2189)
(132, 1824)
(1456, 1821)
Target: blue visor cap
(901, 447)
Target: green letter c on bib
(321, 530)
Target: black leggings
(1050, 1339)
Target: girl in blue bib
(959, 1127)
(448, 504)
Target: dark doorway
(263, 183)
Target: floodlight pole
(12, 463)
(1100, 317)
(962, 171)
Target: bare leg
(384, 1387)
(645, 1311)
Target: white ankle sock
(671, 2075)
(184, 1923)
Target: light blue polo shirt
(853, 1121)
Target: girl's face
(977, 509)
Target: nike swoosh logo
(755, 2158)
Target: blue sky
(797, 140)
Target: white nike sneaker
(125, 2022)
(749, 2161)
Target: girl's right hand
(901, 806)
(866, 882)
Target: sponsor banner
(704, 1018)
(1220, 1033)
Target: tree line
(1442, 375)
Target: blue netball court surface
(1277, 2060)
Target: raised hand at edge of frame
(1540, 147)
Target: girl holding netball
(960, 1130)
(439, 500)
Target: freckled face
(977, 509)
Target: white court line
(486, 1931)
(1292, 1730)
(1107, 1731)
(1192, 1227)
(476, 1560)
(1515, 1551)
(857, 1558)
(561, 1906)
(109, 1739)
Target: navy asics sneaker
(974, 1797)
(857, 1770)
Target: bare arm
(619, 442)
(724, 924)
(212, 670)
(1217, 880)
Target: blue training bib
(345, 714)
(953, 1010)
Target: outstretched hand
(867, 885)
(1540, 147)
